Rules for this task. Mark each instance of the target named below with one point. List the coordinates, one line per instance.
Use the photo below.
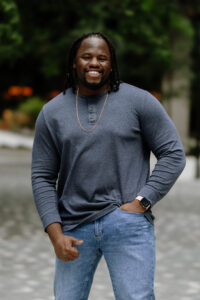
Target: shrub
(31, 107)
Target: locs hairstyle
(70, 81)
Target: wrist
(146, 204)
(138, 205)
(54, 231)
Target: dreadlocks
(70, 81)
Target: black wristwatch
(144, 202)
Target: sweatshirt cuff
(50, 219)
(150, 194)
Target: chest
(117, 121)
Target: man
(96, 138)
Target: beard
(95, 86)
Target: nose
(94, 62)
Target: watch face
(145, 202)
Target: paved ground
(14, 140)
(27, 259)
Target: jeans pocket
(130, 212)
(129, 219)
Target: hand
(63, 244)
(133, 206)
(64, 248)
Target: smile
(93, 73)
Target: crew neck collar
(97, 96)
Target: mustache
(93, 69)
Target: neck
(84, 91)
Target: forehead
(94, 45)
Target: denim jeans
(127, 242)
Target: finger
(72, 257)
(76, 242)
(68, 243)
(69, 250)
(73, 251)
(69, 257)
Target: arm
(45, 168)
(162, 139)
(160, 136)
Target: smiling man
(94, 140)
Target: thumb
(76, 242)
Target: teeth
(93, 72)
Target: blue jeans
(127, 242)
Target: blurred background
(158, 49)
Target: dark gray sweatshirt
(78, 177)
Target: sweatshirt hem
(90, 219)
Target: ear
(74, 65)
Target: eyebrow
(89, 53)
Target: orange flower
(53, 94)
(156, 95)
(14, 90)
(26, 91)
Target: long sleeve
(45, 168)
(162, 139)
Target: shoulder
(58, 102)
(141, 101)
(132, 90)
(57, 105)
(132, 93)
(136, 96)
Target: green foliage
(31, 107)
(10, 36)
(142, 31)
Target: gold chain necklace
(95, 125)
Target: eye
(102, 58)
(85, 57)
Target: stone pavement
(27, 258)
